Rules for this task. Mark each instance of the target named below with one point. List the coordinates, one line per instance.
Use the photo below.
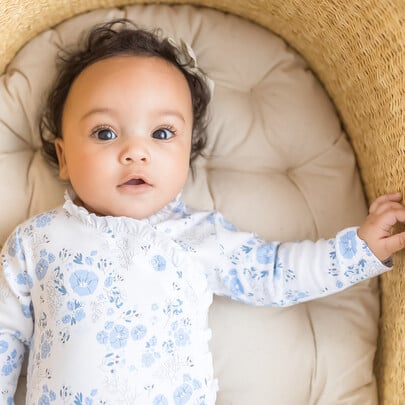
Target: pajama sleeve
(16, 317)
(243, 267)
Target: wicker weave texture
(357, 49)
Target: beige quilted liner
(358, 53)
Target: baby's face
(127, 127)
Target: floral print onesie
(114, 310)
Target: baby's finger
(383, 199)
(394, 243)
(388, 218)
(388, 207)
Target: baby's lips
(134, 182)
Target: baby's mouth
(134, 182)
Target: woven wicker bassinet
(357, 49)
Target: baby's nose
(135, 151)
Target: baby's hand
(384, 213)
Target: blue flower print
(174, 308)
(158, 263)
(348, 244)
(235, 285)
(3, 346)
(332, 254)
(114, 296)
(113, 360)
(182, 394)
(148, 359)
(14, 247)
(12, 363)
(296, 296)
(366, 249)
(27, 310)
(43, 400)
(181, 337)
(152, 342)
(41, 269)
(24, 279)
(46, 345)
(78, 259)
(118, 336)
(42, 266)
(102, 337)
(187, 379)
(168, 346)
(138, 332)
(47, 396)
(108, 282)
(83, 282)
(42, 220)
(265, 253)
(45, 349)
(76, 313)
(48, 256)
(6, 370)
(80, 399)
(196, 385)
(160, 400)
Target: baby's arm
(384, 213)
(16, 318)
(242, 266)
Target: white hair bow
(188, 60)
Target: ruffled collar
(174, 209)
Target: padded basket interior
(278, 163)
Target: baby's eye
(104, 134)
(163, 133)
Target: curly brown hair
(121, 37)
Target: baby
(111, 291)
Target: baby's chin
(138, 214)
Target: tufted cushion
(278, 164)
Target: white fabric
(278, 164)
(115, 310)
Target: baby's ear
(60, 152)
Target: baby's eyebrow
(173, 113)
(104, 110)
